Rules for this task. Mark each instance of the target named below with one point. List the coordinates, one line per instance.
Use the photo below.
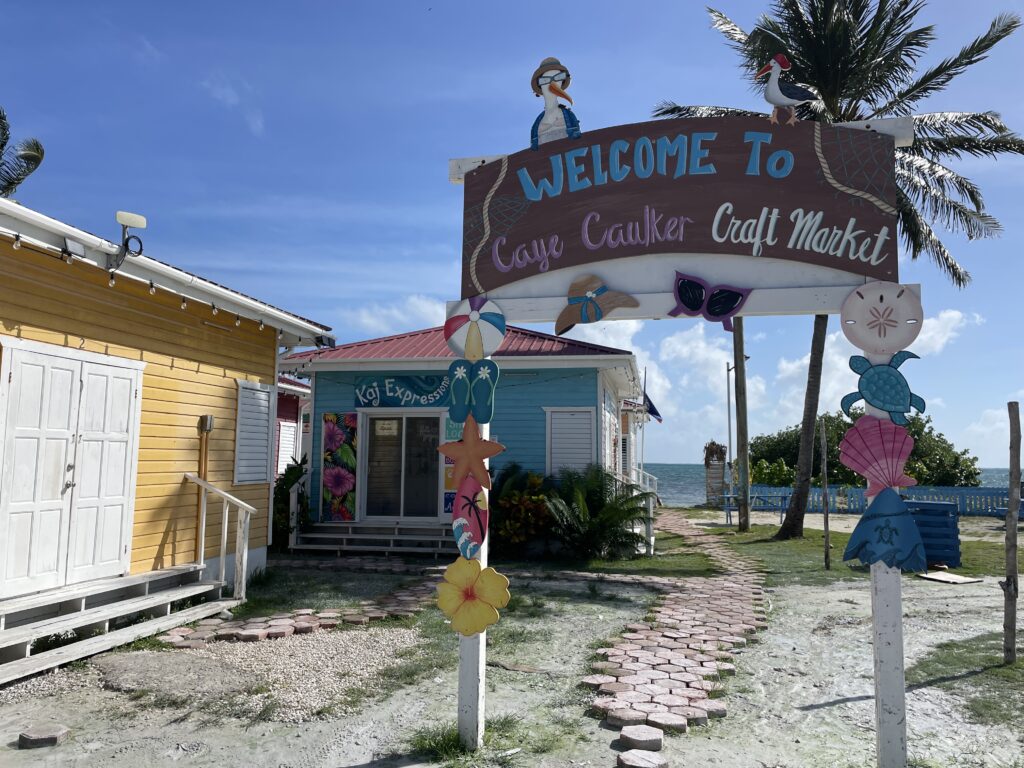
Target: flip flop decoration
(469, 454)
(590, 300)
(470, 518)
(717, 303)
(475, 329)
(472, 390)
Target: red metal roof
(430, 344)
(288, 381)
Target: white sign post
(473, 663)
(887, 634)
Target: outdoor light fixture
(184, 303)
(214, 309)
(238, 321)
(131, 245)
(152, 288)
(74, 248)
(261, 325)
(17, 242)
(111, 282)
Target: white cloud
(989, 437)
(836, 379)
(701, 361)
(938, 331)
(145, 52)
(235, 92)
(414, 313)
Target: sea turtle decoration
(884, 387)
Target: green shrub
(595, 514)
(519, 512)
(778, 473)
(282, 521)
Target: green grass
(283, 589)
(502, 734)
(973, 671)
(802, 561)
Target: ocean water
(682, 485)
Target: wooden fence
(989, 502)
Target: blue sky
(298, 152)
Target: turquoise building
(379, 411)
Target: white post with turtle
(882, 319)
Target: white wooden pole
(473, 666)
(887, 630)
(890, 703)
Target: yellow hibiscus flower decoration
(470, 596)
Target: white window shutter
(571, 439)
(254, 433)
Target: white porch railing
(293, 510)
(244, 519)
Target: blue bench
(939, 525)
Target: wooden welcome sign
(810, 193)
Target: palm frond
(946, 179)
(5, 131)
(958, 123)
(953, 214)
(17, 163)
(938, 77)
(918, 237)
(671, 109)
(975, 146)
(732, 31)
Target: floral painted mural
(339, 467)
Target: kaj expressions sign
(810, 193)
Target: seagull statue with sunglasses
(782, 94)
(557, 121)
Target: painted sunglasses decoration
(717, 303)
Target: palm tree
(17, 162)
(861, 56)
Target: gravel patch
(54, 683)
(307, 674)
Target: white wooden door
(286, 436)
(35, 485)
(101, 509)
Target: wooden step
(382, 549)
(15, 670)
(440, 537)
(103, 614)
(91, 588)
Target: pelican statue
(556, 121)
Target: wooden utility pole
(824, 493)
(742, 443)
(1011, 585)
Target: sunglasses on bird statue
(718, 303)
(559, 78)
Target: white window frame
(271, 391)
(548, 410)
(363, 458)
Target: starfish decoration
(886, 533)
(469, 454)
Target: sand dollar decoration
(882, 318)
(475, 329)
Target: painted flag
(649, 407)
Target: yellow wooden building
(108, 365)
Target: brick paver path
(672, 665)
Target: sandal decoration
(590, 300)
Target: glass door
(403, 466)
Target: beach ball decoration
(881, 318)
(475, 329)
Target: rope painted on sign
(842, 187)
(487, 224)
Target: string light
(184, 303)
(238, 321)
(112, 281)
(214, 308)
(261, 325)
(17, 242)
(152, 288)
(68, 257)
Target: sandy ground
(802, 697)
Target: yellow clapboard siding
(191, 370)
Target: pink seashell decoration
(878, 450)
